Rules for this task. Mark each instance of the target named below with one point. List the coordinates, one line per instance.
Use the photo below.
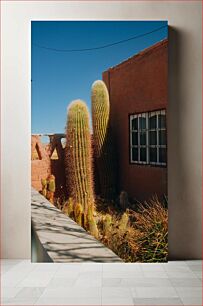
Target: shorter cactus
(51, 187)
(123, 222)
(107, 224)
(123, 200)
(51, 183)
(70, 209)
(92, 226)
(91, 213)
(44, 187)
(78, 213)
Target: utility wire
(99, 47)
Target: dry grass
(151, 222)
(135, 236)
(144, 238)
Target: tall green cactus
(103, 144)
(78, 155)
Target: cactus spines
(51, 183)
(103, 146)
(78, 213)
(78, 155)
(70, 208)
(123, 222)
(51, 187)
(107, 223)
(123, 200)
(92, 225)
(44, 187)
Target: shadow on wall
(183, 206)
(59, 250)
(38, 253)
(57, 238)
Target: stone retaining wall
(62, 239)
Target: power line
(99, 47)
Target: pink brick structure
(42, 163)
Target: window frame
(147, 129)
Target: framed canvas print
(99, 141)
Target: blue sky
(60, 77)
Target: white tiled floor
(174, 283)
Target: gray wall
(184, 177)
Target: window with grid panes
(148, 138)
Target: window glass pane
(162, 155)
(152, 138)
(143, 154)
(135, 154)
(162, 137)
(134, 124)
(142, 123)
(162, 121)
(143, 138)
(134, 138)
(153, 155)
(152, 122)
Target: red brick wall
(138, 85)
(44, 166)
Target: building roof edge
(139, 54)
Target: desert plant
(140, 236)
(64, 208)
(107, 223)
(78, 213)
(51, 183)
(93, 228)
(44, 187)
(51, 188)
(123, 200)
(152, 225)
(70, 208)
(92, 225)
(78, 155)
(123, 222)
(123, 243)
(103, 145)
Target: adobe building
(138, 100)
(48, 159)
